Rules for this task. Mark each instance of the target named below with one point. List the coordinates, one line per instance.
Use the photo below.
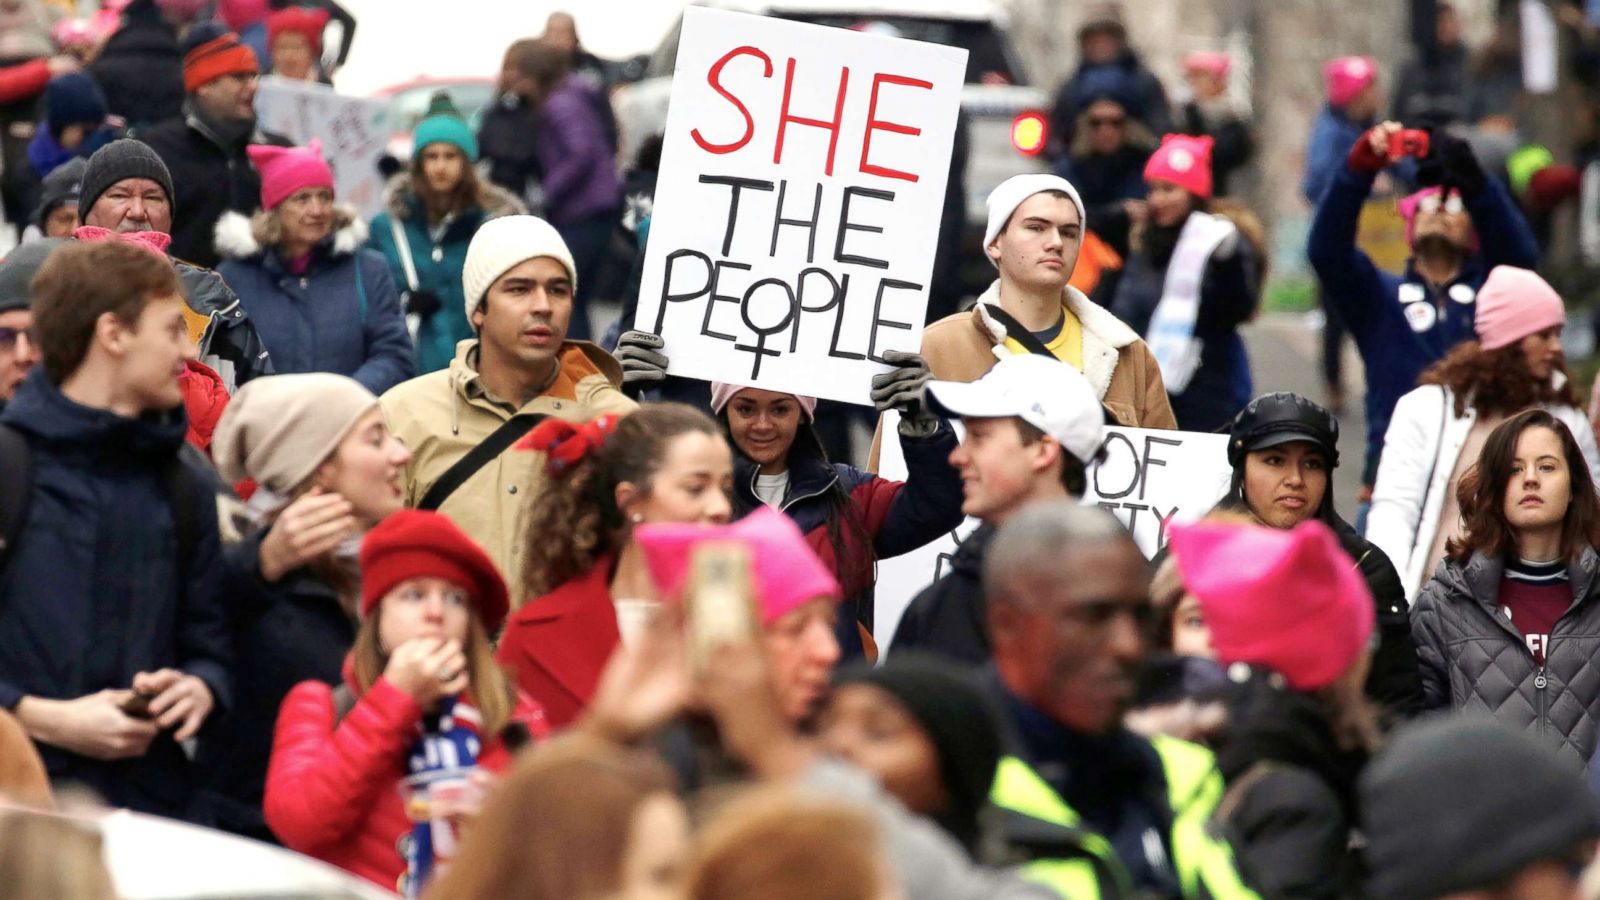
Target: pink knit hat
(1183, 160)
(722, 392)
(241, 14)
(1411, 204)
(1513, 304)
(285, 170)
(1347, 76)
(1218, 64)
(787, 572)
(1291, 601)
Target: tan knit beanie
(277, 430)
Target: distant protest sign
(801, 184)
(354, 132)
(1149, 480)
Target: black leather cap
(1282, 418)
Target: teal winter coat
(439, 254)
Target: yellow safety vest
(1194, 788)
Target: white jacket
(1420, 451)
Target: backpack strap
(1016, 332)
(16, 485)
(344, 700)
(467, 466)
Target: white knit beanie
(504, 243)
(1004, 200)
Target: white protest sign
(354, 134)
(1149, 480)
(802, 180)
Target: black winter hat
(1282, 418)
(1463, 802)
(62, 185)
(958, 719)
(18, 269)
(121, 160)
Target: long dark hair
(573, 520)
(469, 193)
(1482, 493)
(1496, 380)
(1236, 500)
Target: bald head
(561, 32)
(1068, 612)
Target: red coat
(204, 399)
(334, 793)
(557, 645)
(22, 82)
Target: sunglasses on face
(1435, 202)
(8, 337)
(1108, 121)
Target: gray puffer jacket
(1473, 659)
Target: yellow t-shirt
(1066, 345)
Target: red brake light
(1028, 132)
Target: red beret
(415, 543)
(308, 23)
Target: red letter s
(713, 78)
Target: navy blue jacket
(897, 516)
(284, 633)
(1229, 290)
(1332, 136)
(95, 590)
(329, 319)
(1373, 303)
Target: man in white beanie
(1035, 230)
(460, 423)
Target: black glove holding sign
(902, 389)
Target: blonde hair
(776, 844)
(558, 827)
(487, 686)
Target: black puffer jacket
(948, 617)
(1291, 801)
(1473, 659)
(231, 337)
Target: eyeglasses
(1107, 121)
(8, 337)
(1433, 202)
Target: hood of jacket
(204, 399)
(239, 237)
(402, 202)
(40, 409)
(464, 368)
(970, 553)
(1478, 579)
(1104, 335)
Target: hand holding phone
(720, 600)
(1408, 142)
(137, 706)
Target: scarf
(438, 767)
(1171, 335)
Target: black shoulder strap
(344, 700)
(16, 483)
(1016, 332)
(491, 447)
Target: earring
(637, 518)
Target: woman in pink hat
(1438, 430)
(1292, 623)
(1192, 279)
(1211, 111)
(1510, 623)
(320, 301)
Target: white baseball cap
(1048, 394)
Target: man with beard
(1100, 811)
(1193, 278)
(1460, 226)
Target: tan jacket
(441, 416)
(1121, 369)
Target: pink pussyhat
(1183, 160)
(722, 392)
(1216, 64)
(786, 570)
(1514, 303)
(1411, 204)
(1290, 601)
(241, 14)
(1347, 76)
(285, 170)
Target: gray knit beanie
(279, 429)
(18, 269)
(118, 161)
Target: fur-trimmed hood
(239, 237)
(399, 200)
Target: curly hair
(1496, 380)
(1482, 493)
(573, 520)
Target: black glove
(642, 366)
(422, 303)
(1451, 163)
(902, 389)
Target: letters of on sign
(802, 180)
